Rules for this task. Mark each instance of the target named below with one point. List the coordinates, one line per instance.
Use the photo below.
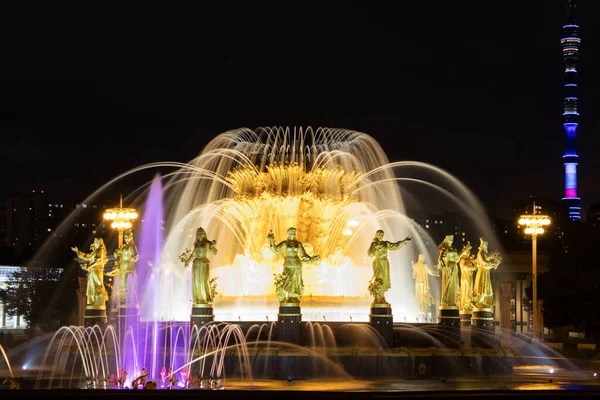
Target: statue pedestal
(289, 323)
(482, 329)
(201, 314)
(382, 320)
(449, 320)
(465, 317)
(95, 315)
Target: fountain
(335, 186)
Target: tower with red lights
(570, 43)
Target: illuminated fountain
(336, 186)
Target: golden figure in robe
(468, 265)
(289, 283)
(423, 294)
(380, 282)
(125, 258)
(483, 295)
(94, 263)
(448, 259)
(202, 293)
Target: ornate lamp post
(123, 316)
(534, 225)
(122, 219)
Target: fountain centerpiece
(335, 186)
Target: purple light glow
(570, 193)
(148, 274)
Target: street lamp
(534, 225)
(122, 218)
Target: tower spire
(570, 43)
(570, 11)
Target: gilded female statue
(483, 296)
(468, 265)
(125, 258)
(422, 289)
(94, 265)
(201, 290)
(448, 259)
(290, 285)
(381, 266)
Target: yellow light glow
(122, 217)
(534, 223)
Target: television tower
(570, 42)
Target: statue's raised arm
(275, 248)
(84, 256)
(393, 246)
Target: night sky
(472, 87)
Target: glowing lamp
(534, 225)
(121, 218)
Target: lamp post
(122, 218)
(534, 225)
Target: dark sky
(472, 87)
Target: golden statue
(95, 261)
(483, 296)
(448, 259)
(125, 258)
(380, 282)
(202, 293)
(289, 283)
(422, 290)
(468, 265)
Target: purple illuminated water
(149, 246)
(147, 336)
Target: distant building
(6, 322)
(29, 221)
